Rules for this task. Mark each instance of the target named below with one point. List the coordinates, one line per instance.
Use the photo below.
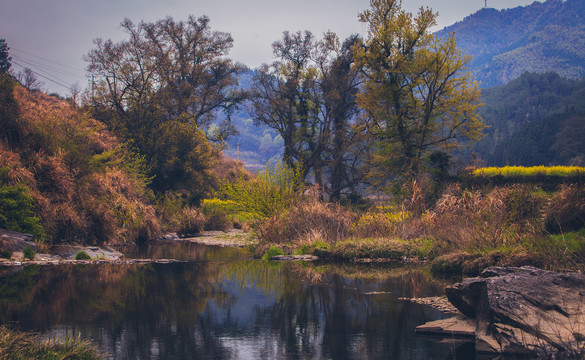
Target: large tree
(307, 96)
(344, 158)
(418, 94)
(161, 88)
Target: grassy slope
(84, 183)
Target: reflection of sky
(63, 31)
(235, 309)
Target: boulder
(15, 241)
(519, 310)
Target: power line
(43, 76)
(49, 60)
(44, 67)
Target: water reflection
(228, 309)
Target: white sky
(53, 35)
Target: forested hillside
(542, 37)
(536, 119)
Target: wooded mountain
(536, 119)
(542, 37)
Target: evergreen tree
(5, 58)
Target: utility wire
(43, 76)
(48, 60)
(43, 67)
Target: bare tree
(75, 91)
(29, 80)
(307, 96)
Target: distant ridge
(541, 37)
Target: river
(223, 304)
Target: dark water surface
(218, 306)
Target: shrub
(82, 255)
(16, 209)
(28, 253)
(277, 188)
(216, 213)
(5, 253)
(273, 251)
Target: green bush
(82, 255)
(312, 248)
(216, 215)
(16, 209)
(6, 254)
(273, 251)
(275, 189)
(28, 253)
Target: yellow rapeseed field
(530, 171)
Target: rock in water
(519, 310)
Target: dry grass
(472, 220)
(190, 221)
(332, 221)
(76, 198)
(23, 346)
(566, 211)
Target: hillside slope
(536, 119)
(69, 173)
(541, 37)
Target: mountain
(541, 37)
(536, 119)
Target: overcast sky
(51, 36)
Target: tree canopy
(162, 87)
(417, 93)
(308, 96)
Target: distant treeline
(537, 119)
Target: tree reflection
(229, 309)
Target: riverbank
(463, 230)
(23, 252)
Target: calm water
(218, 306)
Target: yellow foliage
(379, 224)
(275, 189)
(418, 93)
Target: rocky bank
(519, 311)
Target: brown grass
(566, 211)
(190, 221)
(16, 345)
(332, 221)
(75, 199)
(470, 219)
